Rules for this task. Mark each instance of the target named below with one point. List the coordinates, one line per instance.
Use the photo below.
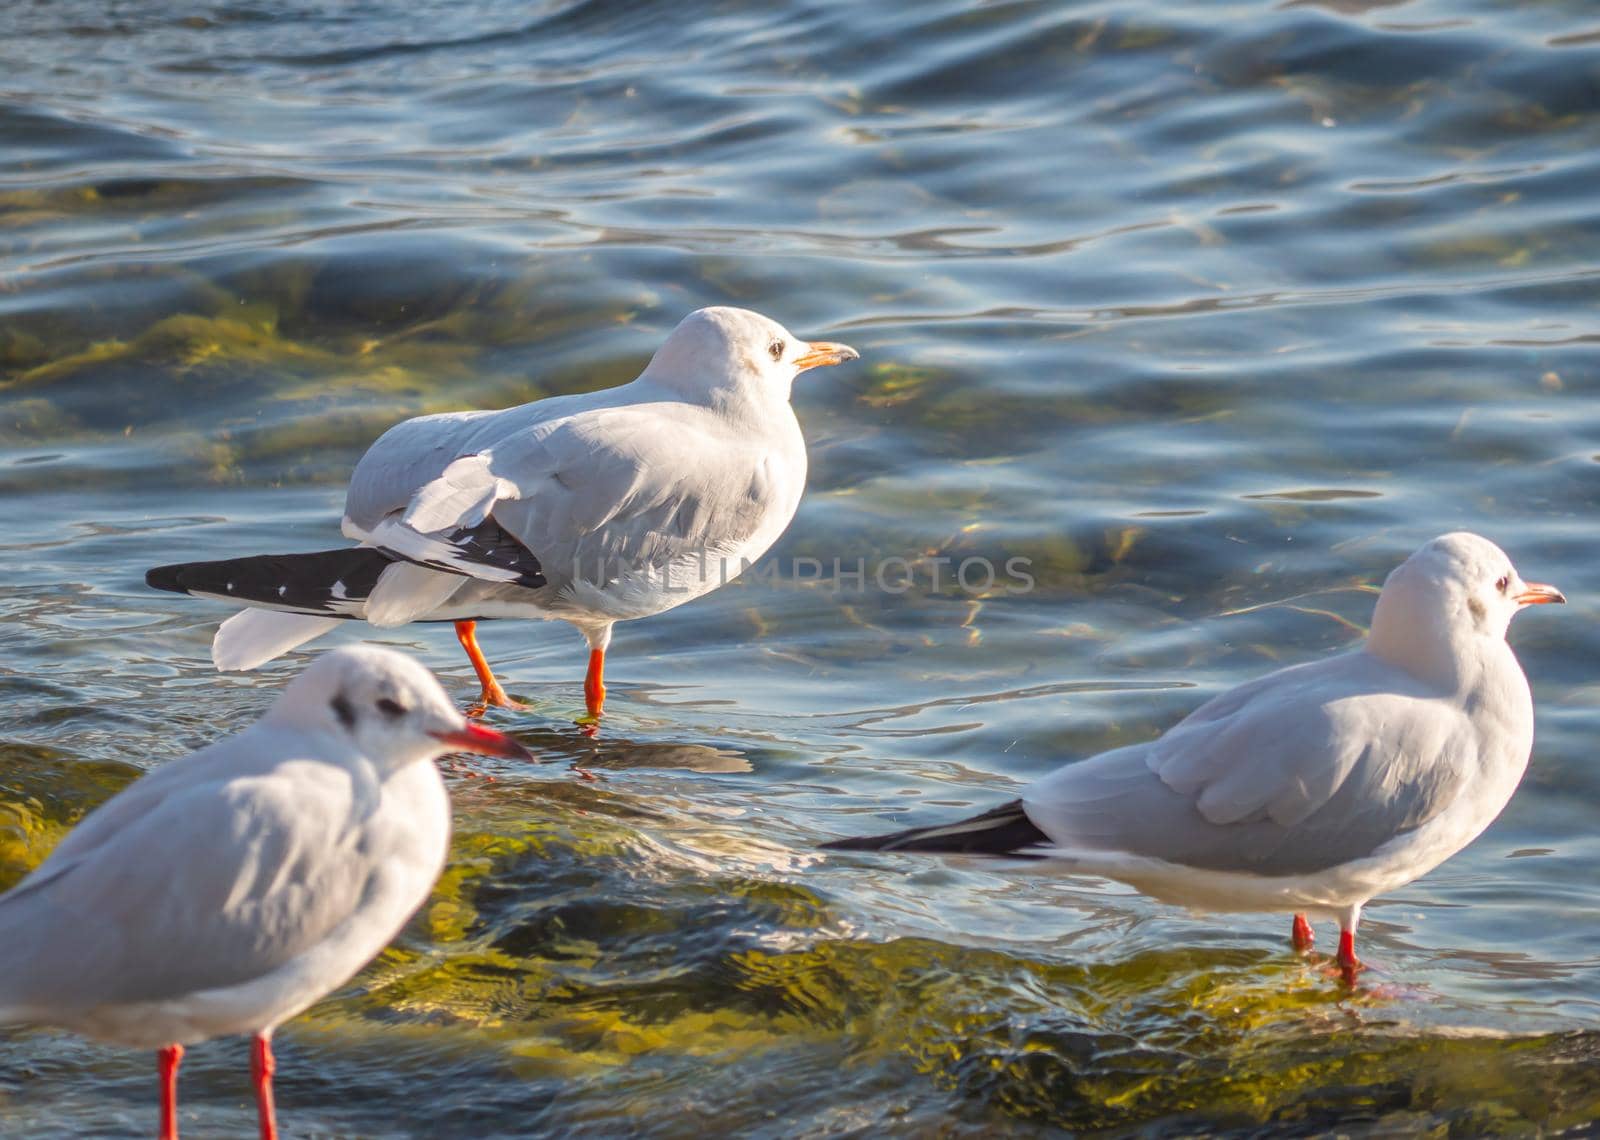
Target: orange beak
(472, 737)
(822, 352)
(1538, 594)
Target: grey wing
(403, 459)
(1301, 771)
(603, 487)
(216, 885)
(236, 756)
(418, 458)
(641, 486)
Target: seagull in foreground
(227, 891)
(1314, 788)
(591, 508)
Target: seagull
(591, 508)
(227, 891)
(1315, 788)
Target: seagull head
(1456, 590)
(392, 709)
(721, 351)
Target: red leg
(493, 694)
(167, 1065)
(1349, 964)
(1301, 937)
(594, 684)
(262, 1066)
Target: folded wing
(1300, 771)
(585, 495)
(181, 887)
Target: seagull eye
(1505, 580)
(391, 708)
(775, 350)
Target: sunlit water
(1213, 312)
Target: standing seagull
(592, 508)
(1312, 789)
(228, 890)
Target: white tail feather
(253, 637)
(406, 591)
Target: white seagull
(591, 508)
(226, 891)
(1315, 788)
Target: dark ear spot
(1477, 609)
(342, 709)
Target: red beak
(472, 737)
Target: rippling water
(1212, 311)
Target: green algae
(517, 957)
(26, 837)
(43, 793)
(1239, 1039)
(890, 384)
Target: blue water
(1213, 312)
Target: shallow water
(1212, 311)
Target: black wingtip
(321, 582)
(164, 578)
(1005, 830)
(492, 545)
